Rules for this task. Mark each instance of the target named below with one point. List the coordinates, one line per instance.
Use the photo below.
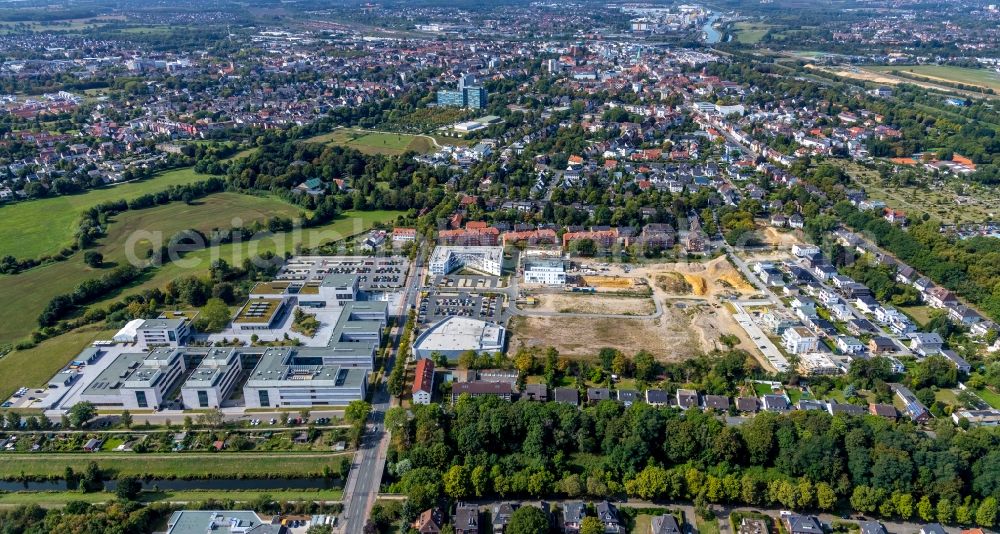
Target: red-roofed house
(423, 383)
(485, 237)
(603, 238)
(404, 234)
(544, 236)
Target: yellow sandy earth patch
(698, 285)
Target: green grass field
(34, 367)
(920, 314)
(989, 396)
(643, 524)
(982, 77)
(197, 263)
(389, 144)
(179, 465)
(52, 499)
(221, 210)
(750, 32)
(33, 289)
(44, 226)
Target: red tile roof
(424, 380)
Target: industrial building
(454, 335)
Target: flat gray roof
(339, 280)
(291, 366)
(161, 324)
(222, 522)
(217, 363)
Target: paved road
(369, 462)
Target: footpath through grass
(36, 227)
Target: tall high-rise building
(475, 97)
(451, 98)
(468, 95)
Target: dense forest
(806, 460)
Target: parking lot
(374, 273)
(466, 282)
(461, 304)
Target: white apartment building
(445, 259)
(799, 340)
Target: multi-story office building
(213, 380)
(137, 380)
(293, 377)
(487, 260)
(163, 332)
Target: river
(712, 36)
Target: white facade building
(445, 259)
(548, 272)
(136, 381)
(799, 340)
(211, 383)
(163, 332)
(301, 378)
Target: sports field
(987, 78)
(367, 142)
(44, 226)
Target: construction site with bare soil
(623, 300)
